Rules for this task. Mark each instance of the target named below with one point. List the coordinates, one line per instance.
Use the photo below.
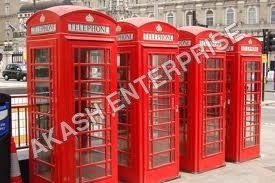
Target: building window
(209, 18)
(170, 18)
(189, 18)
(252, 15)
(230, 16)
(273, 15)
(7, 10)
(151, 15)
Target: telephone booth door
(213, 114)
(202, 99)
(42, 91)
(161, 143)
(244, 100)
(95, 146)
(251, 67)
(148, 126)
(72, 60)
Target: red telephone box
(148, 126)
(244, 81)
(71, 63)
(202, 99)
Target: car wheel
(6, 77)
(24, 78)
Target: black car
(15, 71)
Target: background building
(251, 16)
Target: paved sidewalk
(269, 87)
(261, 170)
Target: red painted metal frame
(139, 168)
(241, 108)
(202, 125)
(56, 53)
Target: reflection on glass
(161, 116)
(44, 171)
(213, 100)
(42, 105)
(212, 149)
(42, 55)
(123, 116)
(157, 60)
(123, 159)
(213, 136)
(213, 75)
(45, 156)
(96, 73)
(122, 144)
(160, 103)
(161, 131)
(213, 63)
(43, 121)
(213, 112)
(213, 88)
(92, 89)
(41, 72)
(252, 66)
(42, 88)
(162, 159)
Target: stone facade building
(251, 15)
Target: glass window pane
(160, 103)
(123, 159)
(161, 131)
(162, 159)
(42, 72)
(42, 88)
(95, 172)
(214, 112)
(213, 100)
(42, 105)
(92, 56)
(43, 121)
(157, 60)
(213, 75)
(213, 88)
(213, 124)
(213, 136)
(44, 171)
(42, 55)
(123, 144)
(162, 145)
(212, 149)
(161, 116)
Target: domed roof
(29, 7)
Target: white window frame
(273, 6)
(212, 14)
(185, 18)
(234, 15)
(256, 14)
(174, 17)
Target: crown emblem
(89, 18)
(42, 18)
(250, 41)
(159, 28)
(118, 28)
